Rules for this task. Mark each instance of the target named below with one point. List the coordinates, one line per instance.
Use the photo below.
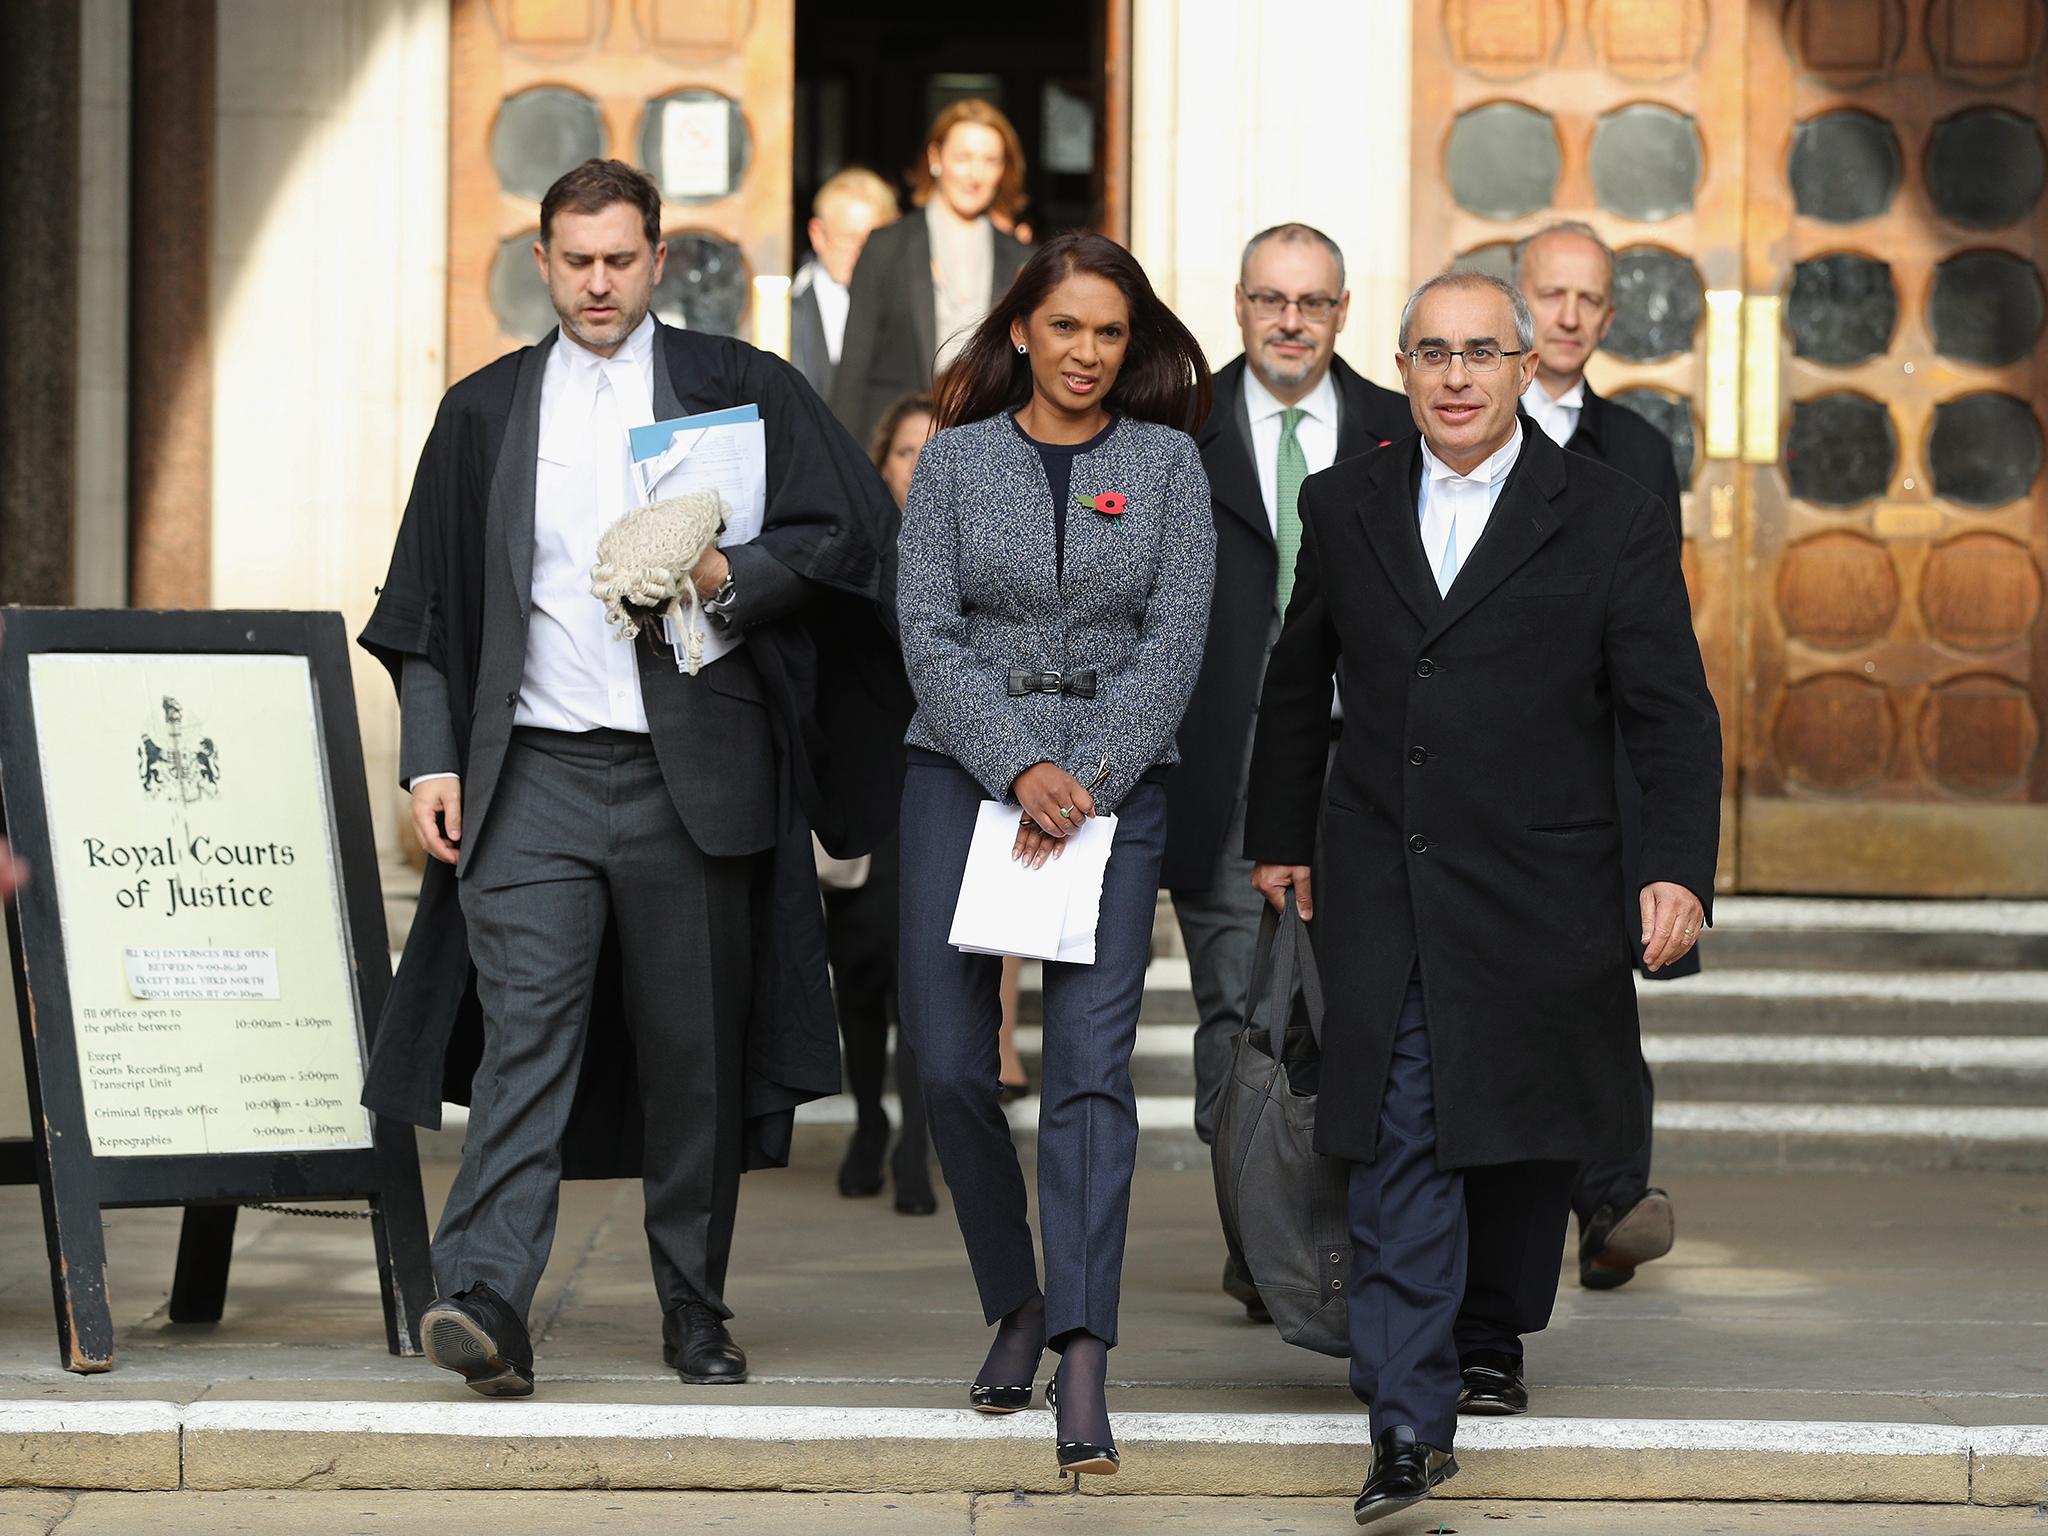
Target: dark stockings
(1083, 1377)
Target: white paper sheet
(1007, 908)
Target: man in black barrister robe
(622, 901)
(1497, 605)
(1566, 273)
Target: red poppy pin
(1109, 503)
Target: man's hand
(1672, 919)
(437, 803)
(710, 572)
(1045, 790)
(1272, 880)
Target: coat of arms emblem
(176, 768)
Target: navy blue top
(1058, 459)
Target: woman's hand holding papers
(1054, 804)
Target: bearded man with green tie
(1287, 407)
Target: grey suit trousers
(583, 831)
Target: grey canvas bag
(1284, 1201)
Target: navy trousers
(1088, 1112)
(1446, 1262)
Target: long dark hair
(1164, 377)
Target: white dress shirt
(832, 301)
(1558, 418)
(579, 675)
(1316, 431)
(1455, 508)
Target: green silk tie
(1289, 470)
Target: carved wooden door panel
(696, 92)
(1626, 114)
(1898, 516)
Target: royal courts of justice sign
(194, 848)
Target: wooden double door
(1831, 231)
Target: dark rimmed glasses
(1477, 359)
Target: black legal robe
(839, 704)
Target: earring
(935, 170)
(1020, 349)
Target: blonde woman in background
(923, 283)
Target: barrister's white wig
(644, 562)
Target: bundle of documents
(725, 451)
(1008, 908)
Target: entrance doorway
(1831, 231)
(870, 78)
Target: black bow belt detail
(1080, 685)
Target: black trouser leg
(1618, 1181)
(1515, 1222)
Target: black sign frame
(75, 1183)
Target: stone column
(38, 298)
(170, 356)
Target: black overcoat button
(1417, 756)
(1425, 668)
(1418, 844)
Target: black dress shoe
(1493, 1387)
(860, 1171)
(694, 1340)
(1618, 1238)
(1404, 1470)
(914, 1196)
(476, 1334)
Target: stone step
(548, 1443)
(1827, 933)
(1692, 1137)
(1724, 1001)
(1879, 1069)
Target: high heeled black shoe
(1000, 1399)
(1078, 1456)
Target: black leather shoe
(914, 1196)
(1404, 1470)
(1617, 1239)
(860, 1171)
(1493, 1387)
(476, 1334)
(694, 1341)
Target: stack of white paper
(1008, 908)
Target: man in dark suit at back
(1497, 605)
(1566, 272)
(1286, 407)
(852, 204)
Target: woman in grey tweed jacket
(1056, 562)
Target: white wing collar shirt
(1454, 508)
(579, 676)
(1316, 431)
(1558, 418)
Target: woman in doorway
(1056, 562)
(860, 932)
(923, 283)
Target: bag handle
(1295, 957)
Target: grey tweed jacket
(977, 595)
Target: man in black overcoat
(1566, 273)
(1497, 605)
(1287, 395)
(619, 942)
